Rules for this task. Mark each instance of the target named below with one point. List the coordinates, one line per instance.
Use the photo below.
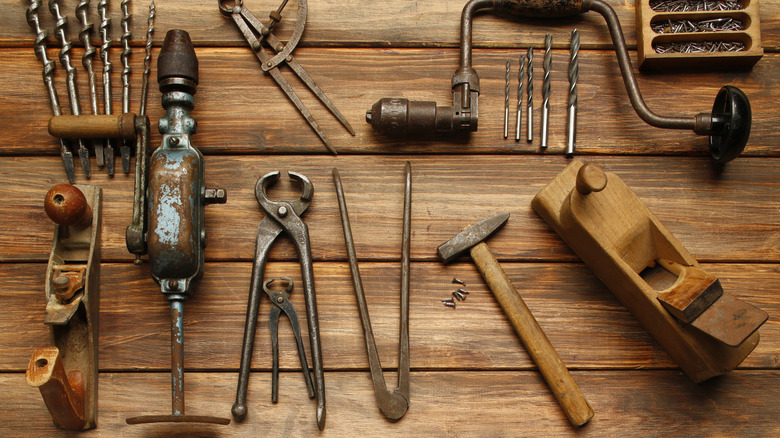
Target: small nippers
(281, 303)
(282, 216)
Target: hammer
(558, 378)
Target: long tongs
(255, 32)
(392, 404)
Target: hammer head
(470, 237)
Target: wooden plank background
(470, 374)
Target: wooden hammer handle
(558, 378)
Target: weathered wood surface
(444, 403)
(470, 374)
(570, 304)
(240, 110)
(398, 23)
(729, 217)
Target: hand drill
(728, 125)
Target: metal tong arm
(392, 404)
(281, 303)
(285, 214)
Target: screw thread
(89, 50)
(574, 67)
(125, 56)
(147, 58)
(105, 23)
(39, 45)
(547, 64)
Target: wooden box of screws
(698, 34)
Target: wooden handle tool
(555, 373)
(558, 378)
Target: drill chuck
(177, 65)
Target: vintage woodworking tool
(255, 33)
(66, 372)
(728, 125)
(506, 100)
(281, 303)
(124, 150)
(82, 12)
(558, 378)
(571, 114)
(530, 77)
(282, 216)
(176, 235)
(392, 404)
(105, 36)
(33, 19)
(520, 79)
(546, 82)
(70, 72)
(705, 330)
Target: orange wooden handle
(66, 205)
(63, 394)
(558, 378)
(93, 126)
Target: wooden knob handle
(66, 205)
(590, 178)
(555, 373)
(63, 394)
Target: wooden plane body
(705, 330)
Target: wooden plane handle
(63, 394)
(560, 381)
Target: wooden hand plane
(66, 372)
(707, 331)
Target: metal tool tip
(321, 417)
(238, 411)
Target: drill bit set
(103, 148)
(571, 116)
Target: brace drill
(728, 125)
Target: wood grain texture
(240, 110)
(730, 216)
(399, 23)
(471, 375)
(444, 403)
(567, 300)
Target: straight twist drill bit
(70, 75)
(571, 115)
(506, 100)
(147, 60)
(547, 64)
(105, 23)
(530, 94)
(82, 12)
(33, 19)
(520, 77)
(125, 58)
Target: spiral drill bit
(506, 100)
(547, 64)
(520, 77)
(70, 77)
(86, 60)
(574, 71)
(530, 93)
(48, 80)
(147, 60)
(105, 23)
(125, 57)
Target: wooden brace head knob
(590, 178)
(66, 205)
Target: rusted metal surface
(392, 404)
(727, 125)
(471, 236)
(256, 33)
(282, 216)
(176, 237)
(72, 288)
